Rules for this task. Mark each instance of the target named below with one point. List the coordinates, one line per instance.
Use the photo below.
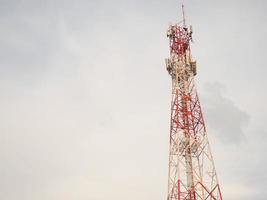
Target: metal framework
(192, 174)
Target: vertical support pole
(179, 190)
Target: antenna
(183, 15)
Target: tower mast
(192, 174)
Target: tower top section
(180, 36)
(180, 65)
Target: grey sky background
(85, 97)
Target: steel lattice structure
(192, 174)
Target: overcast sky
(85, 97)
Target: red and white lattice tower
(192, 174)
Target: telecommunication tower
(192, 174)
